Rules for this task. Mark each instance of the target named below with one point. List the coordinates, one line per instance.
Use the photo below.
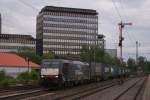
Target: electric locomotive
(62, 72)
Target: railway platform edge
(146, 94)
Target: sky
(19, 17)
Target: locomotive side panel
(96, 71)
(106, 71)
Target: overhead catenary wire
(129, 37)
(133, 39)
(119, 14)
(57, 1)
(117, 10)
(105, 14)
(5, 13)
(27, 4)
(35, 9)
(121, 18)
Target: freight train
(68, 72)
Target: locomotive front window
(51, 64)
(77, 66)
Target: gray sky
(19, 17)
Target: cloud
(19, 16)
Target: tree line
(91, 54)
(94, 53)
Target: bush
(2, 75)
(34, 75)
(26, 77)
(23, 77)
(6, 80)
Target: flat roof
(69, 10)
(22, 36)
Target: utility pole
(137, 51)
(27, 59)
(121, 38)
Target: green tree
(147, 67)
(116, 61)
(94, 53)
(6, 80)
(143, 64)
(2, 75)
(32, 56)
(48, 55)
(85, 53)
(24, 77)
(141, 61)
(28, 77)
(107, 59)
(29, 53)
(34, 74)
(132, 65)
(99, 54)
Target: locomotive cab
(49, 72)
(55, 72)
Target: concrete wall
(14, 71)
(112, 52)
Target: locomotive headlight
(42, 76)
(56, 76)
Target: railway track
(3, 90)
(85, 92)
(23, 94)
(132, 92)
(16, 88)
(60, 94)
(7, 92)
(70, 94)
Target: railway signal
(121, 38)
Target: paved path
(111, 93)
(146, 95)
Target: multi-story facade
(0, 24)
(65, 30)
(15, 42)
(112, 52)
(101, 41)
